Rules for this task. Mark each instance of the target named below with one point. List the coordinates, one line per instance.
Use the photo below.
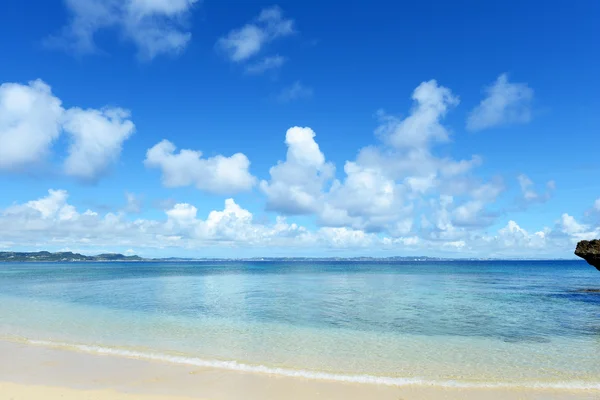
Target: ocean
(451, 323)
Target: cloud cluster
(155, 27)
(387, 187)
(51, 221)
(398, 194)
(32, 119)
(296, 184)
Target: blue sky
(366, 128)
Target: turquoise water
(445, 323)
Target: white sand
(37, 373)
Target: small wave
(325, 376)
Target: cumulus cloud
(32, 118)
(155, 26)
(218, 174)
(569, 229)
(386, 187)
(422, 126)
(366, 199)
(30, 121)
(512, 235)
(297, 183)
(505, 103)
(97, 140)
(570, 226)
(52, 206)
(294, 92)
(243, 43)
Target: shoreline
(287, 372)
(27, 369)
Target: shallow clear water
(447, 323)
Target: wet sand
(29, 372)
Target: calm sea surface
(456, 323)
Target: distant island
(68, 256)
(46, 256)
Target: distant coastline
(46, 256)
(67, 256)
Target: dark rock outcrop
(589, 250)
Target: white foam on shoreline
(307, 374)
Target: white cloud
(233, 223)
(386, 186)
(570, 226)
(182, 213)
(30, 121)
(266, 64)
(294, 92)
(52, 222)
(454, 217)
(167, 7)
(218, 174)
(243, 43)
(97, 140)
(296, 184)
(32, 118)
(422, 126)
(397, 195)
(366, 199)
(474, 212)
(468, 213)
(597, 205)
(154, 26)
(506, 103)
(512, 235)
(437, 224)
(346, 237)
(47, 207)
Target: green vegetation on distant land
(63, 257)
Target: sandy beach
(29, 372)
